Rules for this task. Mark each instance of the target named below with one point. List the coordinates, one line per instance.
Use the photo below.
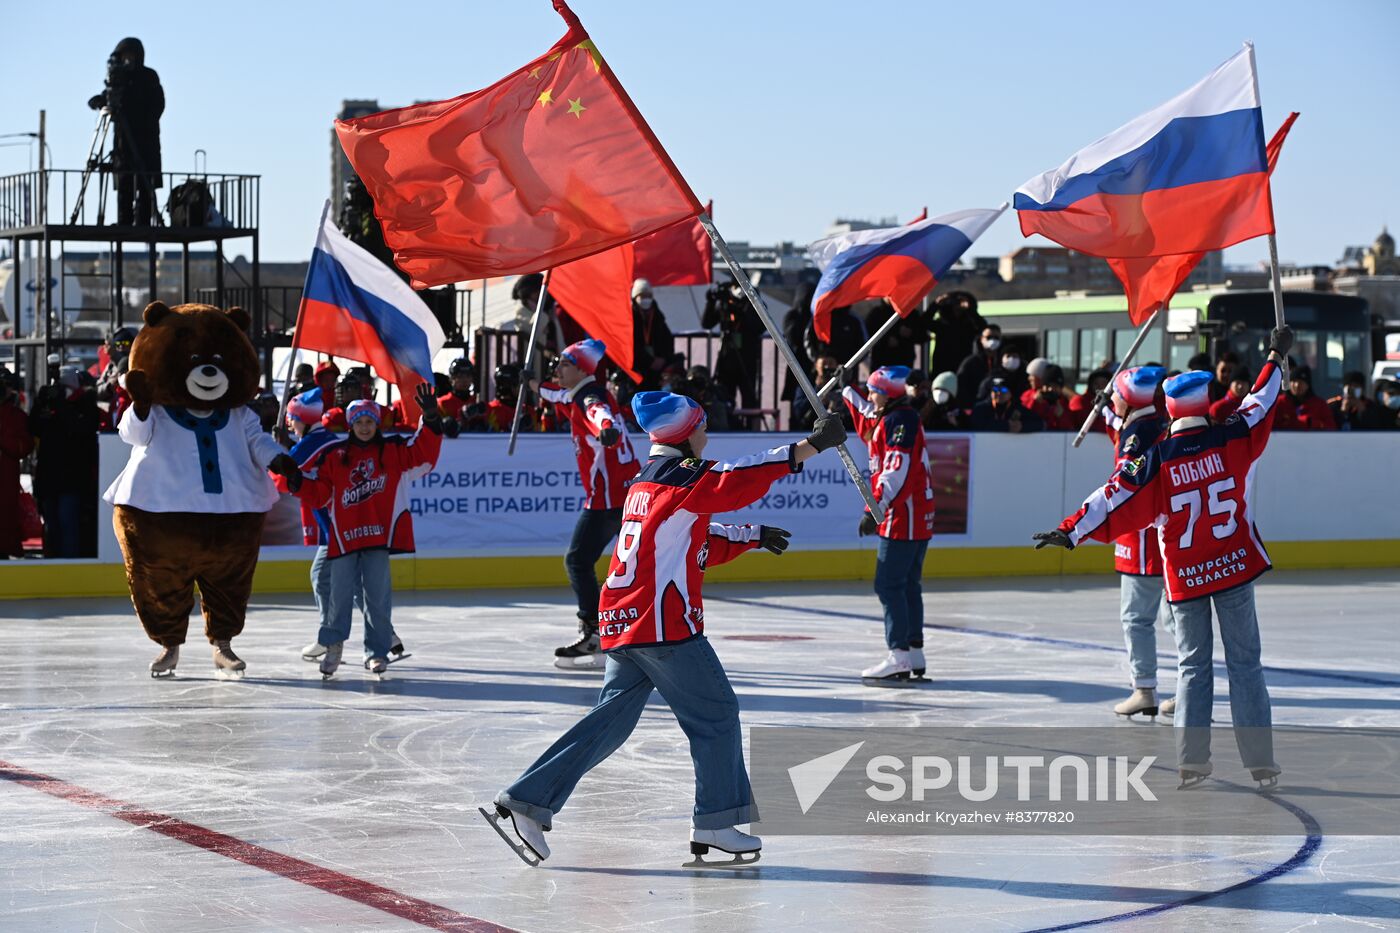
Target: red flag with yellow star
(550, 164)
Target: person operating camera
(741, 335)
(134, 98)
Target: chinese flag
(1150, 281)
(550, 164)
(675, 255)
(597, 293)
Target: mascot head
(196, 356)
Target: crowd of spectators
(973, 381)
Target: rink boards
(485, 519)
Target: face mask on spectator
(942, 396)
(1392, 401)
(1354, 391)
(645, 303)
(1011, 363)
(991, 343)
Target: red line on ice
(332, 882)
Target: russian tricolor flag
(1189, 176)
(355, 307)
(901, 264)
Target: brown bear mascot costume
(190, 503)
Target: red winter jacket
(364, 488)
(1308, 414)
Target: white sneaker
(896, 666)
(313, 651)
(916, 662)
(331, 659)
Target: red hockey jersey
(652, 594)
(604, 471)
(1196, 486)
(364, 489)
(1138, 552)
(900, 475)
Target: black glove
(827, 432)
(428, 402)
(1281, 340)
(1057, 538)
(1103, 401)
(451, 427)
(283, 465)
(868, 525)
(609, 436)
(97, 101)
(773, 539)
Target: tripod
(94, 164)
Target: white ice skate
(377, 666)
(894, 671)
(1191, 775)
(396, 652)
(313, 652)
(1267, 778)
(227, 665)
(164, 664)
(331, 659)
(917, 664)
(585, 654)
(744, 849)
(530, 846)
(1168, 707)
(1143, 700)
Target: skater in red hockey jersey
(606, 464)
(1195, 485)
(652, 626)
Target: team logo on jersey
(1132, 467)
(692, 463)
(363, 483)
(1130, 445)
(898, 436)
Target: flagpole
(1137, 342)
(860, 354)
(281, 427)
(1273, 239)
(529, 359)
(803, 380)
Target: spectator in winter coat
(1352, 410)
(1301, 409)
(1388, 405)
(954, 325)
(1225, 367)
(741, 340)
(795, 324)
(1008, 368)
(978, 365)
(1001, 411)
(803, 417)
(898, 347)
(1240, 384)
(941, 412)
(63, 421)
(653, 345)
(1048, 401)
(847, 336)
(16, 443)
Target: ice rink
(284, 803)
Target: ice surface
(380, 781)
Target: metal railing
(233, 198)
(279, 303)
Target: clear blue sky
(787, 113)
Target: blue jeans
(1250, 713)
(350, 575)
(692, 682)
(321, 588)
(594, 531)
(899, 582)
(1142, 602)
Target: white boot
(313, 651)
(1168, 706)
(331, 659)
(531, 833)
(1143, 700)
(741, 845)
(377, 665)
(164, 664)
(916, 662)
(896, 666)
(226, 663)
